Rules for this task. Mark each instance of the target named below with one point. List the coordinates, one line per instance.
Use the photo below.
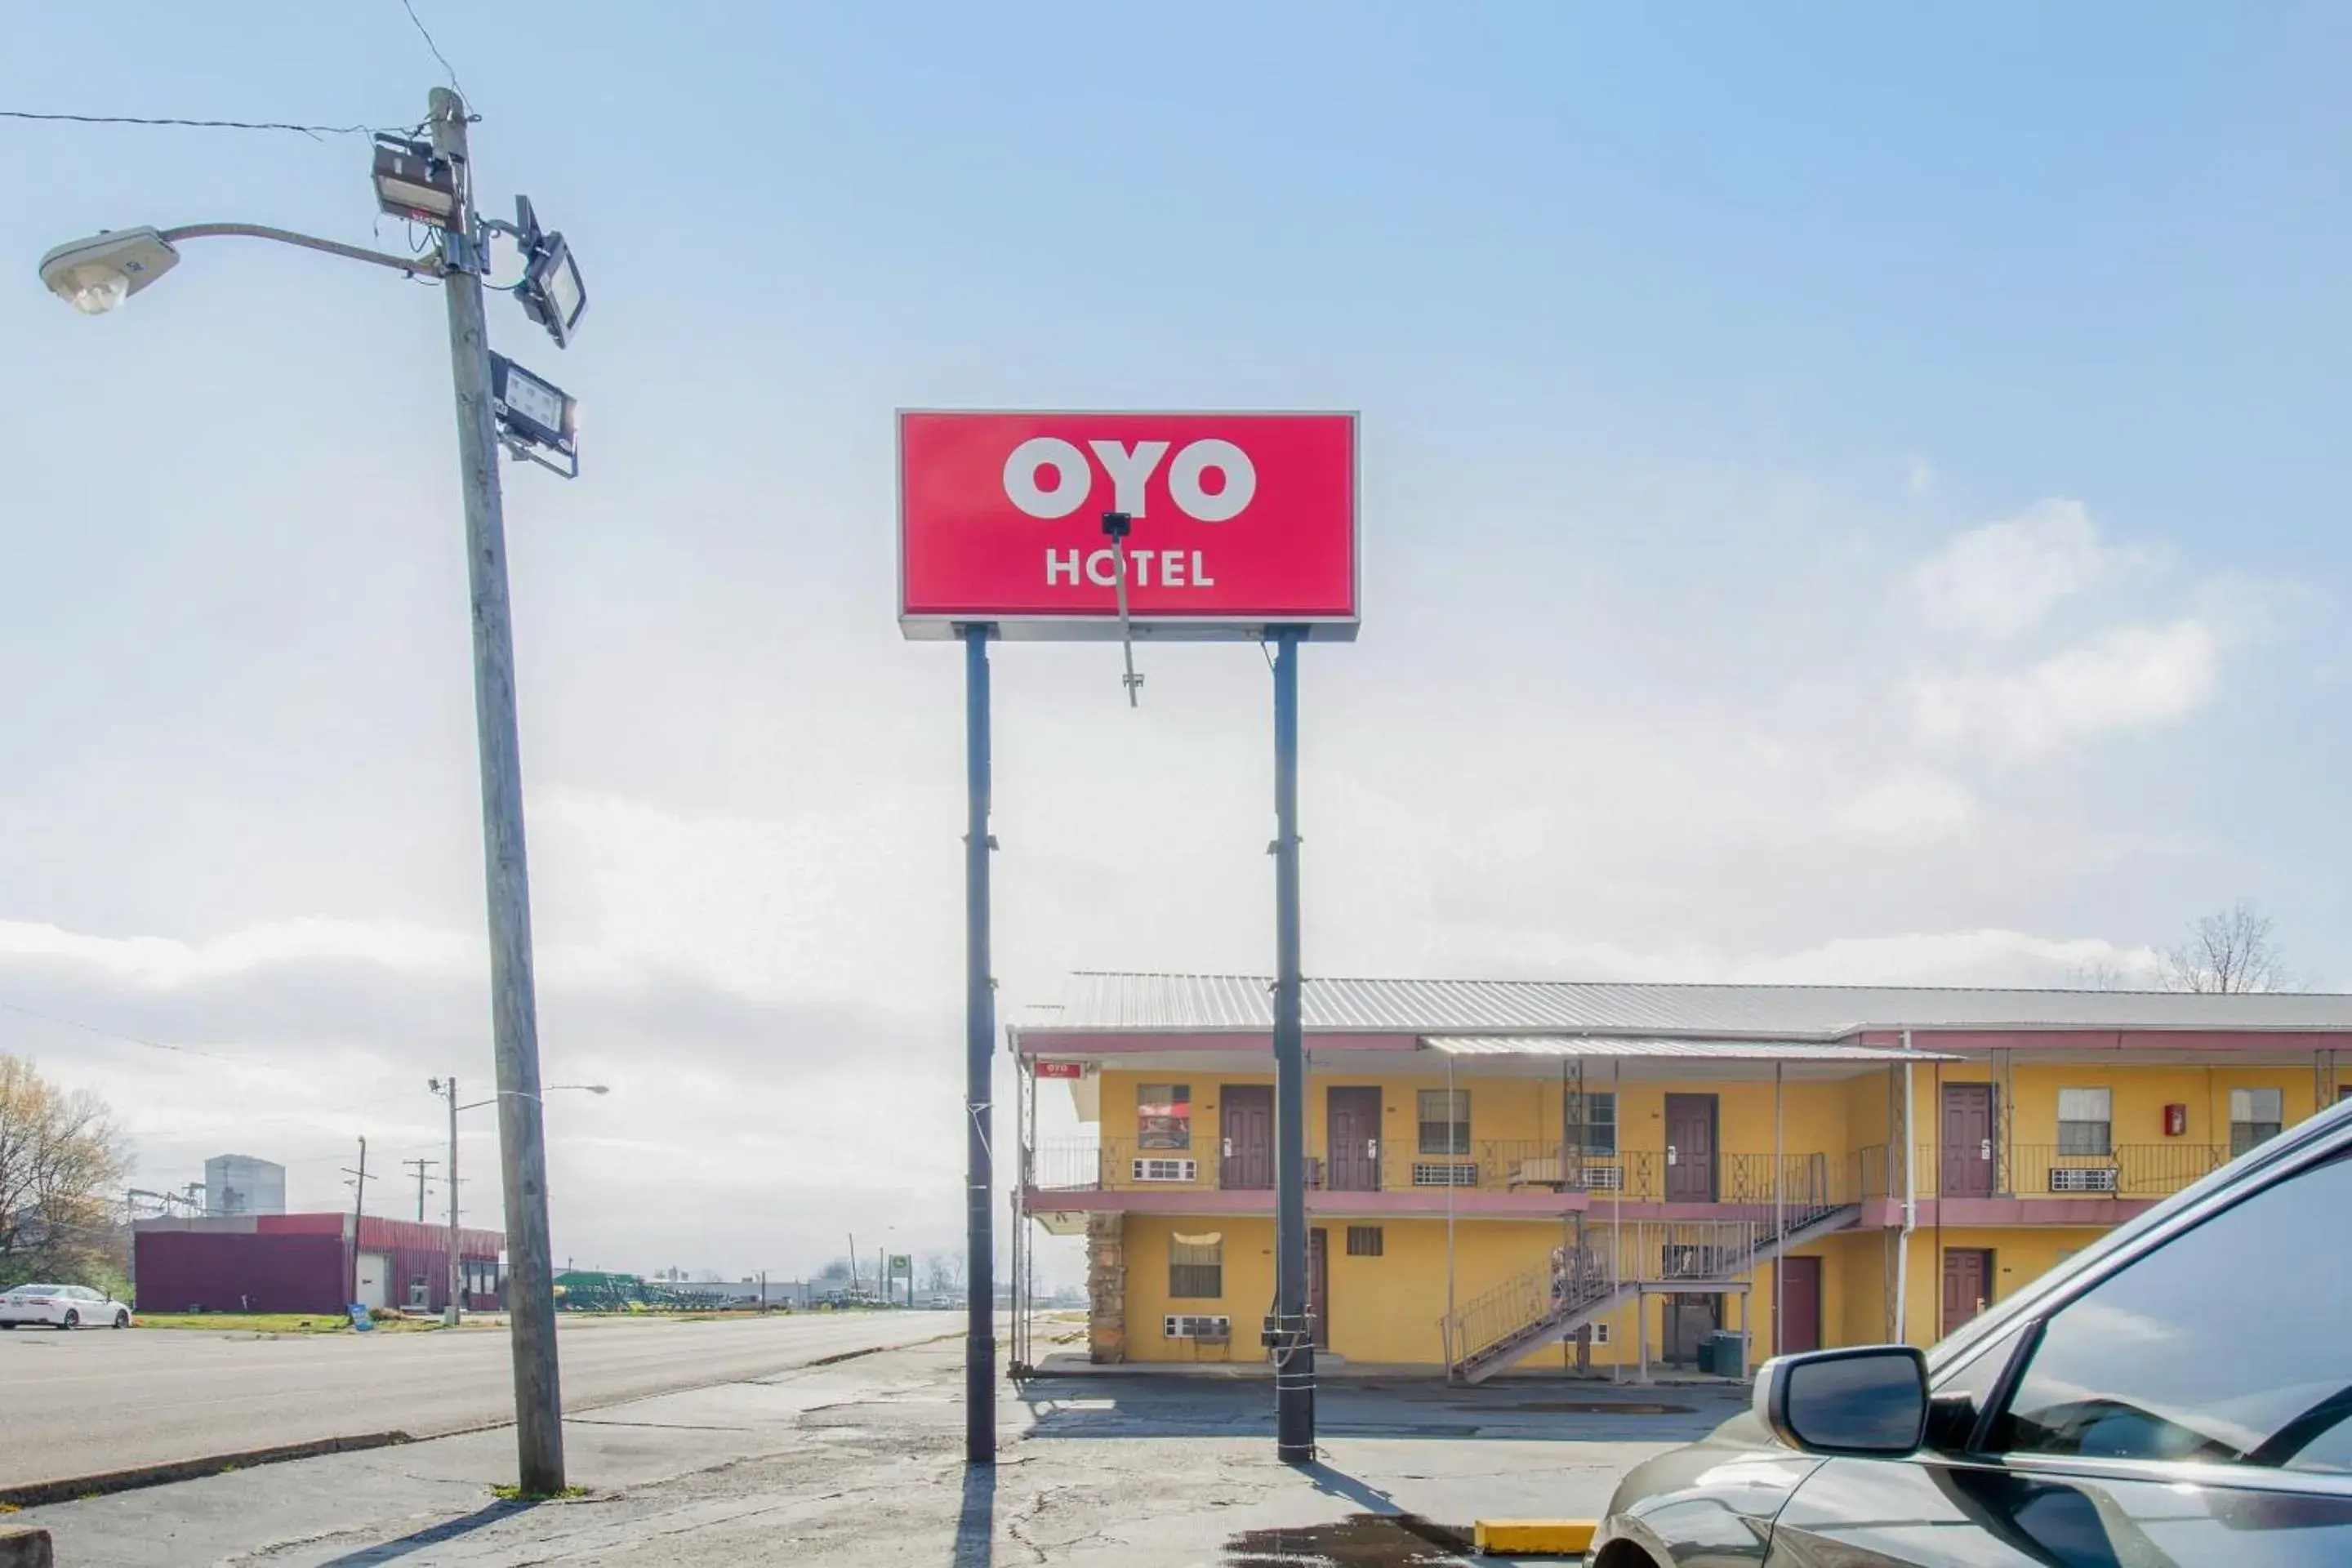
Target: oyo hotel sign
(1239, 521)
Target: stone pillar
(1105, 1288)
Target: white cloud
(1990, 957)
(1919, 478)
(163, 962)
(1999, 580)
(2132, 677)
(1909, 808)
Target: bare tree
(62, 1168)
(2232, 951)
(943, 1273)
(2101, 974)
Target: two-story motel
(1600, 1176)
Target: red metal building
(309, 1262)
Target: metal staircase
(1547, 1304)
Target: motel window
(1590, 1122)
(1365, 1241)
(1163, 1116)
(1445, 1122)
(2256, 1114)
(1196, 1265)
(2085, 1121)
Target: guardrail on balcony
(2125, 1170)
(1806, 1180)
(2043, 1170)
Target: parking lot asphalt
(861, 1462)
(82, 1404)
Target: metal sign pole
(1293, 1335)
(979, 1038)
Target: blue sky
(1852, 492)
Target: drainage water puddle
(1359, 1541)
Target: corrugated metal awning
(1682, 1049)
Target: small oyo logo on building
(1210, 480)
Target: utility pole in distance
(420, 1168)
(451, 1314)
(359, 1212)
(514, 1008)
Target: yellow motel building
(1629, 1179)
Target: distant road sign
(1239, 521)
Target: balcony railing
(1806, 1180)
(2042, 1170)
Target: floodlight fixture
(550, 291)
(97, 274)
(411, 183)
(535, 416)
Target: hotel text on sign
(1240, 521)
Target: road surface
(82, 1404)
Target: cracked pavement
(861, 1463)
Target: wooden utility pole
(420, 1168)
(514, 1007)
(359, 1212)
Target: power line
(313, 132)
(437, 55)
(111, 1033)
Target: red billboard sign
(1059, 1070)
(1239, 521)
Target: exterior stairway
(1526, 1313)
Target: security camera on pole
(498, 403)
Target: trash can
(1723, 1353)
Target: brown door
(1690, 1148)
(1352, 1137)
(1968, 1140)
(1318, 1285)
(1797, 1304)
(1968, 1283)
(1248, 1155)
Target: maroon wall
(217, 1272)
(296, 1262)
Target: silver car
(61, 1306)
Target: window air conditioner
(1184, 1326)
(1166, 1170)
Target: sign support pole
(1294, 1334)
(979, 1041)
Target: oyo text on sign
(1237, 521)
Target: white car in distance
(61, 1306)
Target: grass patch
(275, 1322)
(516, 1494)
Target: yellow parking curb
(1535, 1537)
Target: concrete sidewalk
(861, 1463)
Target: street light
(97, 274)
(432, 181)
(448, 1088)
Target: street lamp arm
(414, 266)
(553, 1087)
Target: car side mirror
(1866, 1403)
